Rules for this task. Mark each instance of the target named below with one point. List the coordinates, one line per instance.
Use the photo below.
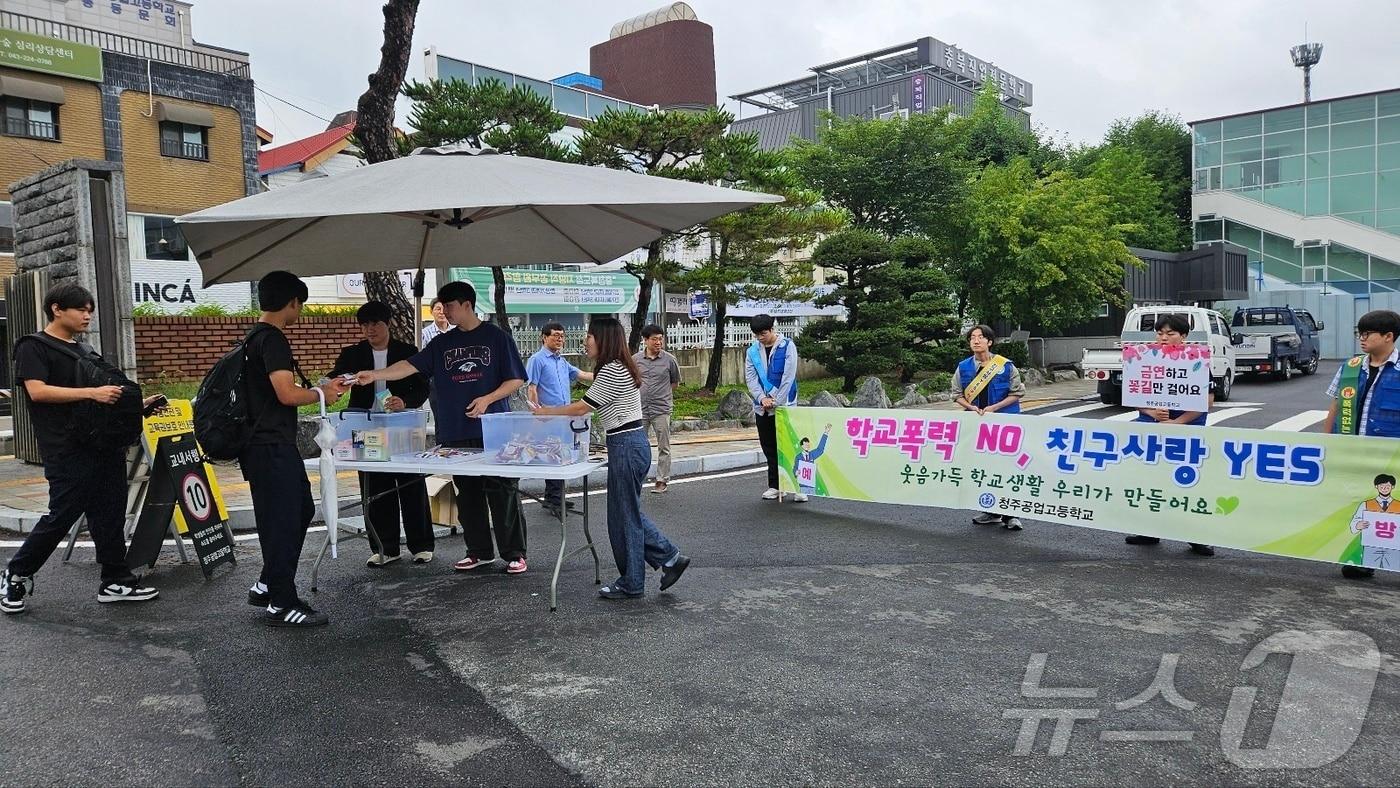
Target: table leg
(597, 578)
(563, 544)
(320, 556)
(370, 534)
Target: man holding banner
(1366, 401)
(987, 383)
(1172, 329)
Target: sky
(1091, 61)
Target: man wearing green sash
(988, 383)
(1366, 396)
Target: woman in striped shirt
(615, 395)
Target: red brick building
(664, 57)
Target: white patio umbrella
(449, 207)
(442, 208)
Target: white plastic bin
(526, 439)
(364, 435)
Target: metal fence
(684, 335)
(26, 307)
(126, 45)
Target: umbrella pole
(418, 281)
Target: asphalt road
(826, 643)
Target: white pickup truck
(1207, 327)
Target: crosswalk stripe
(1075, 409)
(1299, 422)
(1221, 415)
(1233, 404)
(1129, 416)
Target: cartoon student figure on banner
(988, 383)
(1372, 514)
(805, 469)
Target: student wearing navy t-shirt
(474, 370)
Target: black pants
(768, 440)
(485, 503)
(554, 493)
(81, 483)
(282, 509)
(410, 499)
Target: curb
(241, 517)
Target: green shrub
(946, 356)
(1015, 352)
(938, 381)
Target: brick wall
(157, 183)
(79, 132)
(184, 348)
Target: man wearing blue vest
(1366, 394)
(988, 383)
(770, 370)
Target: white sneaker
(125, 591)
(770, 494)
(423, 557)
(799, 498)
(381, 560)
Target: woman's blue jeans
(636, 541)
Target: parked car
(1207, 327)
(1276, 340)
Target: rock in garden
(825, 399)
(1032, 377)
(871, 394)
(911, 399)
(1065, 375)
(735, 405)
(843, 399)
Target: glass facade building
(1337, 158)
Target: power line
(293, 106)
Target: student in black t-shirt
(282, 504)
(82, 480)
(474, 370)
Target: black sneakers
(13, 589)
(297, 616)
(258, 598)
(670, 574)
(129, 590)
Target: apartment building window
(31, 118)
(30, 108)
(7, 228)
(184, 130)
(183, 141)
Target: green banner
(50, 55)
(1299, 495)
(554, 291)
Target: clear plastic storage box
(527, 439)
(364, 435)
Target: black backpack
(221, 405)
(95, 424)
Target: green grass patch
(186, 389)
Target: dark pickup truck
(1275, 340)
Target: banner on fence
(1175, 377)
(1299, 495)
